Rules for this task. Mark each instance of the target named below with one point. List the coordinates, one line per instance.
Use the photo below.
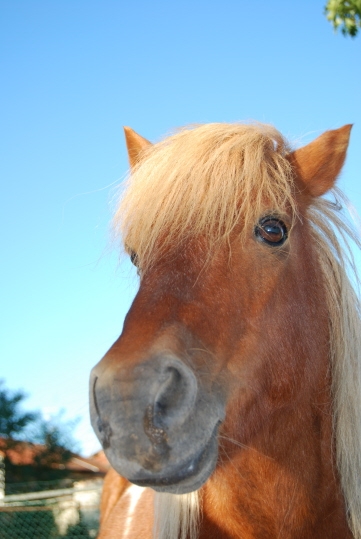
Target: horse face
(193, 342)
(218, 340)
(155, 385)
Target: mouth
(186, 477)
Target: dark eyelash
(133, 258)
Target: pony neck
(283, 482)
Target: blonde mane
(345, 346)
(176, 516)
(205, 180)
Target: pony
(230, 406)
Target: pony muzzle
(140, 415)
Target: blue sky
(73, 73)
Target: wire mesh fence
(40, 523)
(54, 514)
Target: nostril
(170, 392)
(175, 396)
(101, 427)
(104, 432)
(94, 395)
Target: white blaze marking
(134, 492)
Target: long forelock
(203, 181)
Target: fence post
(2, 479)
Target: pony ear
(318, 164)
(135, 145)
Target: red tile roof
(24, 453)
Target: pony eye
(272, 231)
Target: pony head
(227, 345)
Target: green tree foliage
(13, 421)
(55, 444)
(345, 14)
(58, 444)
